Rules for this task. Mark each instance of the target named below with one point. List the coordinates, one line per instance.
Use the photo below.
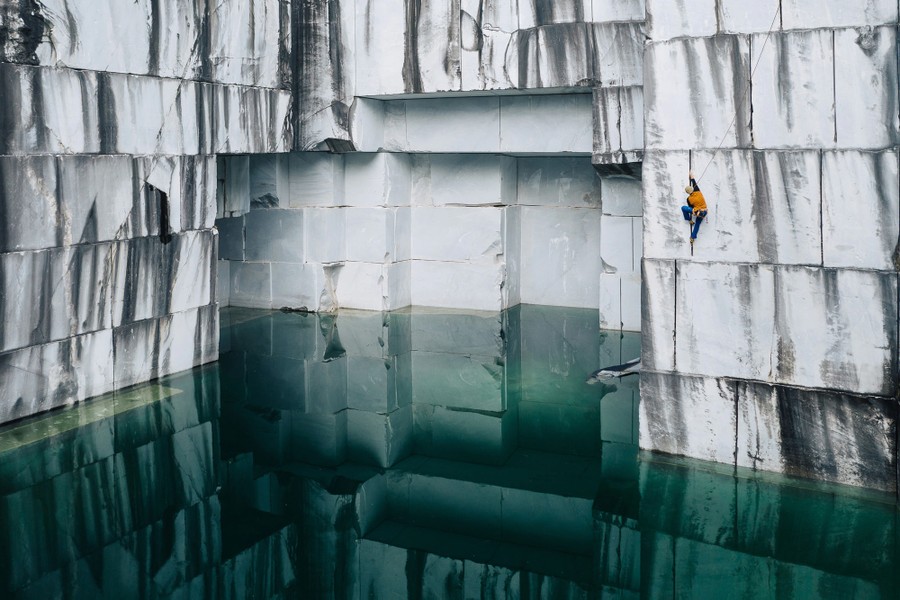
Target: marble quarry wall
(111, 116)
(461, 139)
(775, 346)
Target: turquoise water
(410, 455)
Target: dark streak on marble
(763, 210)
(412, 76)
(107, 118)
(808, 449)
(154, 41)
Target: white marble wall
(112, 113)
(380, 231)
(761, 323)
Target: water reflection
(412, 454)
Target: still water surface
(409, 455)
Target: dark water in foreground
(419, 455)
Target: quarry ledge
(823, 435)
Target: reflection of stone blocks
(317, 438)
(463, 435)
(379, 439)
(458, 381)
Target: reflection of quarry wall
(776, 345)
(467, 132)
(111, 113)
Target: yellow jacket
(697, 201)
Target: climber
(695, 211)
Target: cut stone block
(868, 61)
(316, 179)
(561, 260)
(467, 125)
(41, 102)
(270, 181)
(231, 238)
(378, 179)
(191, 254)
(28, 188)
(689, 416)
(620, 301)
(275, 235)
(701, 81)
(244, 119)
(251, 285)
(558, 181)
(793, 90)
(460, 179)
(569, 130)
(399, 275)
(621, 196)
(623, 10)
(455, 285)
(692, 18)
(83, 369)
(489, 52)
(820, 339)
(241, 48)
(815, 434)
(369, 233)
(533, 13)
(618, 53)
(860, 183)
(736, 16)
(223, 283)
(324, 236)
(763, 206)
(725, 314)
(557, 55)
(457, 234)
(295, 286)
(617, 245)
(394, 56)
(361, 285)
(99, 203)
(834, 13)
(618, 120)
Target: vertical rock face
(111, 116)
(791, 124)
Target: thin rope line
(744, 94)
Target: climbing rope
(744, 93)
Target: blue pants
(688, 213)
